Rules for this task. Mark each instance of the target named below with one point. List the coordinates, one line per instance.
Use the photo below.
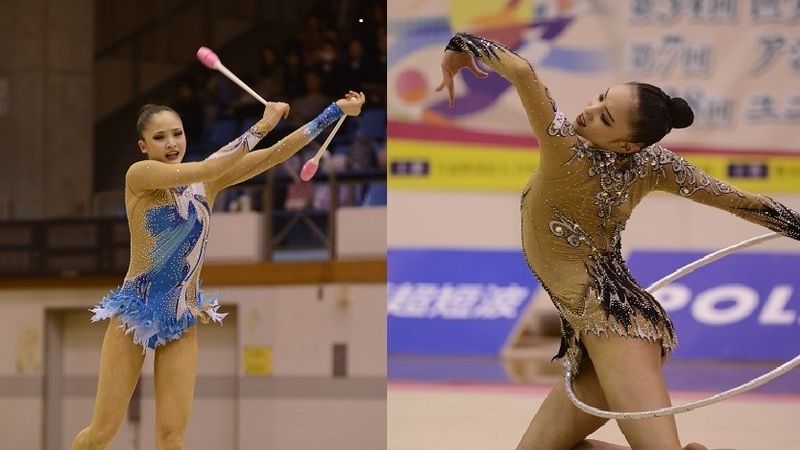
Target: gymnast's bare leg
(175, 369)
(120, 364)
(559, 424)
(591, 444)
(629, 373)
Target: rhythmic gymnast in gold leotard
(593, 172)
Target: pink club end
(207, 57)
(308, 170)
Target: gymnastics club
(211, 60)
(311, 166)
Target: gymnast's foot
(591, 444)
(695, 446)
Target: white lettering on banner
(725, 305)
(409, 300)
(455, 301)
(774, 311)
(730, 303)
(674, 297)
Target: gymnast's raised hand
(351, 103)
(273, 113)
(452, 63)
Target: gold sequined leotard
(169, 211)
(575, 206)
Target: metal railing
(101, 245)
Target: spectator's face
(313, 23)
(382, 43)
(184, 92)
(354, 49)
(163, 138)
(268, 56)
(327, 54)
(313, 82)
(292, 59)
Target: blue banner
(467, 302)
(455, 302)
(744, 306)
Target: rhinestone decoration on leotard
(575, 207)
(169, 223)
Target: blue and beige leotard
(169, 214)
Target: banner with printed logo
(455, 302)
(737, 63)
(744, 306)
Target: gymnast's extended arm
(261, 160)
(150, 174)
(550, 126)
(682, 178)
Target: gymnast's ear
(142, 146)
(629, 147)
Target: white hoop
(752, 384)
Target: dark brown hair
(657, 114)
(147, 111)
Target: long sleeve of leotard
(549, 124)
(150, 174)
(679, 177)
(258, 161)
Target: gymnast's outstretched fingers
(452, 63)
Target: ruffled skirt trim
(151, 327)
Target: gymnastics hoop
(677, 409)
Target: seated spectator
(270, 74)
(306, 106)
(293, 72)
(329, 65)
(191, 110)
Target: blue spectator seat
(372, 123)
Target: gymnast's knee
(170, 438)
(96, 437)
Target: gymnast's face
(163, 138)
(605, 120)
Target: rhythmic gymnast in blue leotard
(169, 208)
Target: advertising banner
(744, 306)
(454, 302)
(737, 63)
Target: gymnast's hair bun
(682, 115)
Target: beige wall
(299, 323)
(46, 58)
(491, 221)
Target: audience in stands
(340, 46)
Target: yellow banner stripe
(415, 164)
